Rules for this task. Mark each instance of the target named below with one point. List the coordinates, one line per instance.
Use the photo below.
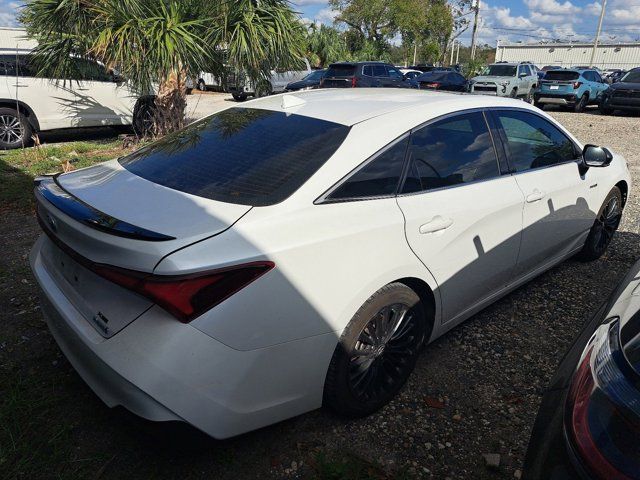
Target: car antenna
(289, 101)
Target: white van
(29, 105)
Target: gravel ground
(475, 391)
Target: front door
(463, 219)
(559, 208)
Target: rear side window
(533, 142)
(379, 177)
(15, 66)
(451, 152)
(341, 70)
(561, 75)
(240, 155)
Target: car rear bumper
(551, 99)
(163, 370)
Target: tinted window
(597, 77)
(240, 155)
(90, 71)
(451, 152)
(379, 177)
(562, 75)
(12, 66)
(315, 75)
(380, 71)
(394, 73)
(501, 70)
(533, 142)
(337, 70)
(367, 70)
(633, 76)
(433, 77)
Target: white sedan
(300, 249)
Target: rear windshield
(501, 71)
(433, 77)
(240, 155)
(561, 75)
(341, 70)
(632, 77)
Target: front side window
(240, 155)
(367, 70)
(533, 142)
(15, 66)
(379, 177)
(451, 152)
(393, 73)
(380, 71)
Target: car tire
(239, 97)
(581, 104)
(514, 93)
(603, 228)
(605, 110)
(15, 130)
(376, 354)
(202, 86)
(528, 98)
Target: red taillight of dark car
(602, 414)
(435, 85)
(354, 82)
(186, 296)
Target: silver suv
(504, 79)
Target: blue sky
(518, 20)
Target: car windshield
(500, 71)
(561, 75)
(315, 75)
(632, 77)
(240, 155)
(338, 70)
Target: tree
(325, 45)
(157, 44)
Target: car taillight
(576, 85)
(431, 85)
(354, 82)
(186, 296)
(602, 414)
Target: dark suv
(363, 74)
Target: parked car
(30, 104)
(409, 73)
(451, 81)
(363, 74)
(515, 80)
(588, 425)
(230, 275)
(570, 88)
(623, 95)
(423, 67)
(616, 76)
(206, 81)
(307, 83)
(241, 87)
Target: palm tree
(325, 45)
(157, 44)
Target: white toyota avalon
(299, 250)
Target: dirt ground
(475, 391)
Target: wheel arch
(427, 297)
(624, 189)
(24, 109)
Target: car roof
(349, 106)
(372, 62)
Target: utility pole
(453, 49)
(475, 30)
(458, 53)
(595, 42)
(415, 52)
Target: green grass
(19, 167)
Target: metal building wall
(15, 38)
(623, 55)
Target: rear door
(463, 219)
(558, 207)
(382, 76)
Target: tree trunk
(170, 104)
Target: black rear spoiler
(48, 188)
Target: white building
(15, 39)
(608, 55)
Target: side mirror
(594, 156)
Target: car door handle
(436, 224)
(19, 85)
(535, 196)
